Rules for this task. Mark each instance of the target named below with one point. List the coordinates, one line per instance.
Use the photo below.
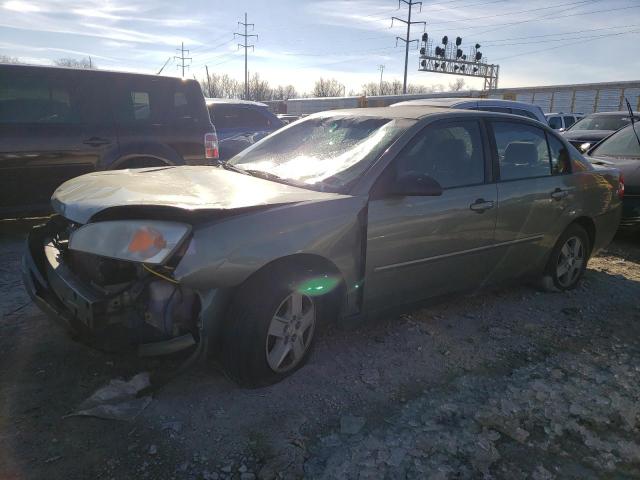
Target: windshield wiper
(266, 175)
(233, 168)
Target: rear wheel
(568, 260)
(271, 326)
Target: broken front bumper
(83, 310)
(36, 282)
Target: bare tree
(457, 85)
(221, 86)
(259, 89)
(284, 92)
(393, 88)
(8, 59)
(328, 88)
(76, 63)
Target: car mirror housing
(415, 185)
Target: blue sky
(538, 42)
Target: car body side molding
(532, 238)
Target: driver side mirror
(415, 185)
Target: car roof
(412, 112)
(233, 101)
(408, 112)
(94, 71)
(452, 101)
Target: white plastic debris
(116, 401)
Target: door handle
(559, 194)
(96, 141)
(481, 205)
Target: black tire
(552, 281)
(243, 342)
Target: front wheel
(568, 260)
(270, 329)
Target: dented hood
(189, 188)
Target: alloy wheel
(570, 261)
(290, 332)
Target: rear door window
(522, 151)
(29, 98)
(140, 101)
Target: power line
(407, 40)
(246, 46)
(559, 39)
(466, 20)
(208, 45)
(553, 15)
(182, 58)
(563, 45)
(490, 41)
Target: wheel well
(590, 227)
(315, 263)
(141, 161)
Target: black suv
(58, 123)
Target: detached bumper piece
(159, 317)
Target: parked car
(585, 133)
(562, 121)
(522, 109)
(58, 123)
(622, 151)
(343, 214)
(240, 123)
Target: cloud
(21, 7)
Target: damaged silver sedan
(336, 217)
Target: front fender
(225, 253)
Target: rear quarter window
(231, 116)
(150, 101)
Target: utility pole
(381, 68)
(407, 40)
(246, 46)
(182, 58)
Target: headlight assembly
(135, 240)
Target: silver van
(485, 104)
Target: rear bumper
(606, 228)
(630, 212)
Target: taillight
(211, 146)
(621, 187)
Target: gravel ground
(503, 383)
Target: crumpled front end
(110, 303)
